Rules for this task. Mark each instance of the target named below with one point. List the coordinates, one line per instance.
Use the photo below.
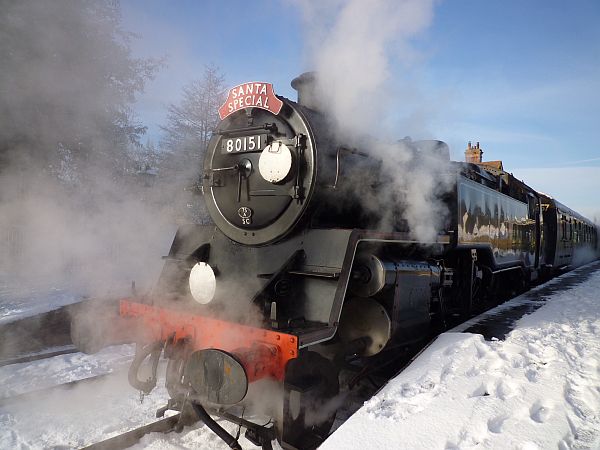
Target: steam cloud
(66, 217)
(353, 45)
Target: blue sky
(521, 77)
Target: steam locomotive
(311, 263)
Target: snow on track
(16, 379)
(78, 416)
(537, 389)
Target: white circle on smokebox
(275, 162)
(202, 283)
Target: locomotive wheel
(311, 382)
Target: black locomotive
(300, 274)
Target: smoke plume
(356, 48)
(74, 211)
(353, 45)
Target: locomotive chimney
(306, 85)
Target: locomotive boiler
(310, 265)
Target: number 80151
(242, 144)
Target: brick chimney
(473, 154)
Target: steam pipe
(338, 162)
(215, 427)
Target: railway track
(44, 354)
(129, 438)
(37, 393)
(255, 434)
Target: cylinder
(371, 274)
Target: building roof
(493, 164)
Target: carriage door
(534, 227)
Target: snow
(74, 417)
(538, 388)
(25, 377)
(77, 416)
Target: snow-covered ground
(74, 417)
(17, 379)
(539, 388)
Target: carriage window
(585, 233)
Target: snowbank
(537, 389)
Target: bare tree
(189, 126)
(67, 84)
(190, 123)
